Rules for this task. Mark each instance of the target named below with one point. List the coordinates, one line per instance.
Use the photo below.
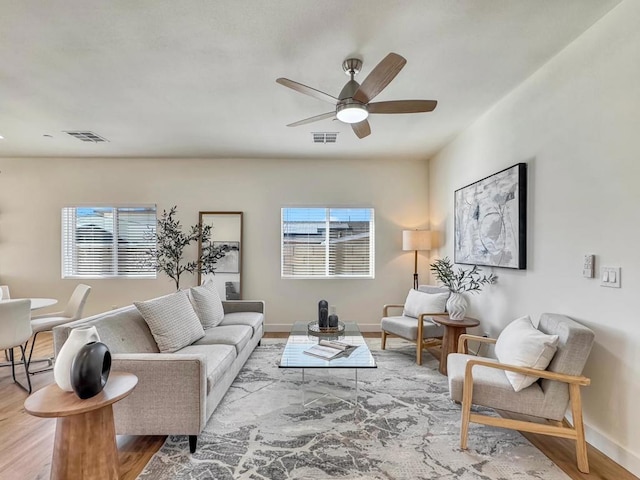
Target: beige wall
(576, 123)
(32, 192)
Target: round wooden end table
(85, 442)
(452, 331)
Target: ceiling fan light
(352, 113)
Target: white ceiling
(196, 78)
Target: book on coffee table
(329, 349)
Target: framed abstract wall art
(491, 220)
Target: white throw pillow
(172, 321)
(523, 345)
(207, 304)
(421, 302)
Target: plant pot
(457, 306)
(78, 338)
(90, 369)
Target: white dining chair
(46, 321)
(4, 292)
(15, 331)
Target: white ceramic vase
(78, 338)
(457, 306)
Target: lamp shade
(416, 240)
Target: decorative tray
(314, 329)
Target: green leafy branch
(461, 280)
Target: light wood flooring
(26, 442)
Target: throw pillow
(172, 321)
(207, 304)
(523, 345)
(420, 302)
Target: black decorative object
(333, 321)
(90, 369)
(323, 314)
(314, 330)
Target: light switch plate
(610, 277)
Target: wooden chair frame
(555, 428)
(420, 341)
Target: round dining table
(36, 302)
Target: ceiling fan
(353, 103)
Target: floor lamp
(416, 240)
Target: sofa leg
(193, 443)
(259, 342)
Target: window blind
(108, 241)
(327, 242)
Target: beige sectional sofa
(176, 392)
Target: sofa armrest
(385, 308)
(233, 306)
(170, 395)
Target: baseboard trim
(613, 450)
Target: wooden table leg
(449, 344)
(85, 447)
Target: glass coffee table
(300, 339)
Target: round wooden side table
(452, 331)
(85, 442)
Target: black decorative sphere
(90, 369)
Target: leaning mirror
(226, 235)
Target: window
(102, 242)
(327, 243)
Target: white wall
(32, 192)
(576, 123)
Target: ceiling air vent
(324, 137)
(86, 136)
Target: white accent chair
(423, 331)
(15, 331)
(482, 381)
(72, 312)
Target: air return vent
(324, 137)
(86, 136)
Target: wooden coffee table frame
(85, 440)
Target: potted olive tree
(171, 241)
(458, 282)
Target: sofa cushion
(407, 327)
(219, 360)
(521, 344)
(207, 304)
(172, 321)
(251, 319)
(236, 335)
(420, 302)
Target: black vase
(323, 314)
(90, 369)
(333, 321)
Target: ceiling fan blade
(361, 129)
(402, 106)
(312, 92)
(379, 77)
(312, 119)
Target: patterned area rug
(404, 427)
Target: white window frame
(68, 244)
(328, 276)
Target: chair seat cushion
(45, 324)
(407, 327)
(491, 388)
